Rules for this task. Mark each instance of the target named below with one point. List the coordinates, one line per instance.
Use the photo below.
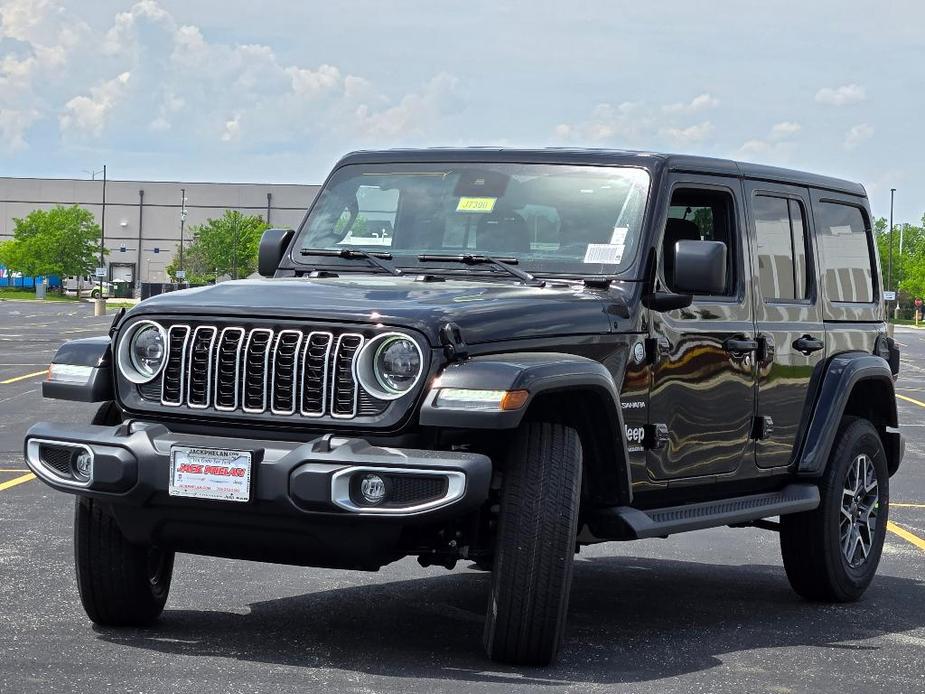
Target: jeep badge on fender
(497, 356)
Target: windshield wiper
(350, 253)
(469, 259)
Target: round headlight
(147, 351)
(390, 366)
(142, 352)
(397, 364)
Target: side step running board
(625, 522)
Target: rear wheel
(832, 552)
(120, 583)
(532, 567)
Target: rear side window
(846, 252)
(780, 230)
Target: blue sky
(277, 91)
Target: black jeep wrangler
(497, 356)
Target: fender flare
(94, 353)
(842, 374)
(541, 374)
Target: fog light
(81, 466)
(372, 487)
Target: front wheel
(831, 553)
(120, 584)
(534, 551)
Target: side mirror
(700, 267)
(273, 245)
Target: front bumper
(131, 465)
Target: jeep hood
(486, 311)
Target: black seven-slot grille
(310, 373)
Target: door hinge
(655, 437)
(762, 428)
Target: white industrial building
(142, 229)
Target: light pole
(99, 308)
(181, 273)
(890, 271)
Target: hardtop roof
(650, 160)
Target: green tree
(62, 241)
(908, 264)
(224, 246)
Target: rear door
(791, 335)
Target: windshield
(557, 219)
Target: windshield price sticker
(484, 205)
(605, 253)
(210, 473)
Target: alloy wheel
(859, 510)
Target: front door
(703, 386)
(787, 314)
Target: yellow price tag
(476, 204)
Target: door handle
(739, 345)
(808, 344)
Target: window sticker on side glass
(484, 205)
(607, 253)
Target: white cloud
(122, 37)
(637, 124)
(625, 123)
(766, 151)
(89, 113)
(701, 102)
(691, 134)
(784, 129)
(309, 83)
(221, 92)
(232, 130)
(858, 134)
(23, 19)
(841, 96)
(438, 97)
(13, 127)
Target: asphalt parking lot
(708, 611)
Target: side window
(701, 215)
(780, 230)
(846, 253)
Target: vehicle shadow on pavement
(631, 620)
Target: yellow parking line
(29, 477)
(906, 535)
(42, 373)
(898, 505)
(14, 469)
(912, 400)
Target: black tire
(120, 584)
(811, 542)
(535, 547)
(95, 294)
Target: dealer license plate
(210, 473)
